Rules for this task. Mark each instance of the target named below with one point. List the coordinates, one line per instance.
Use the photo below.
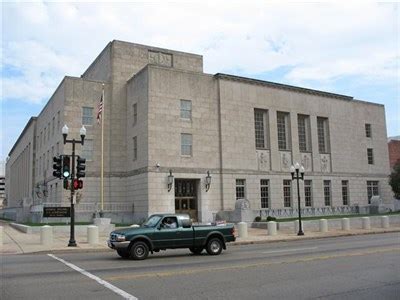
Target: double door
(186, 197)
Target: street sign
(56, 212)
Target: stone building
(394, 151)
(165, 117)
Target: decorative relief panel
(263, 160)
(325, 162)
(286, 161)
(306, 161)
(158, 58)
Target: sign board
(56, 212)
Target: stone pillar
(271, 228)
(385, 222)
(323, 225)
(46, 235)
(242, 229)
(346, 224)
(366, 223)
(93, 235)
(1, 235)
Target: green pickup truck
(170, 231)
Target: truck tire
(214, 246)
(139, 250)
(123, 253)
(196, 251)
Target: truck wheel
(196, 251)
(139, 251)
(214, 246)
(123, 253)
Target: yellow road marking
(299, 260)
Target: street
(356, 267)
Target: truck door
(167, 235)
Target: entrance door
(186, 197)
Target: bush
(269, 218)
(257, 219)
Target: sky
(350, 48)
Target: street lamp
(82, 132)
(297, 169)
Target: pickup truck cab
(170, 231)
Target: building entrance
(186, 197)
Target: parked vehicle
(170, 231)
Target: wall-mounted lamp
(208, 181)
(170, 180)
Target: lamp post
(82, 132)
(297, 169)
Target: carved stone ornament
(324, 164)
(306, 162)
(242, 204)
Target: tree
(394, 180)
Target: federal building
(181, 140)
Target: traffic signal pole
(72, 242)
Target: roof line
(282, 86)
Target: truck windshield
(152, 221)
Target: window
(186, 144)
(345, 192)
(323, 135)
(48, 132)
(186, 109)
(264, 190)
(327, 192)
(303, 125)
(53, 126)
(87, 149)
(240, 189)
(48, 160)
(368, 132)
(370, 156)
(44, 136)
(87, 115)
(261, 128)
(372, 189)
(58, 148)
(40, 139)
(283, 130)
(135, 148)
(287, 193)
(134, 111)
(308, 192)
(58, 121)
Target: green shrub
(269, 218)
(257, 219)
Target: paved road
(357, 267)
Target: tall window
(287, 193)
(48, 133)
(372, 189)
(308, 192)
(240, 189)
(186, 144)
(134, 112)
(370, 156)
(323, 135)
(87, 149)
(58, 121)
(186, 109)
(53, 126)
(264, 190)
(283, 130)
(261, 128)
(368, 131)
(87, 115)
(345, 192)
(327, 192)
(58, 148)
(135, 148)
(303, 125)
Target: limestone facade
(162, 114)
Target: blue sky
(351, 49)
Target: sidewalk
(16, 242)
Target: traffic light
(57, 166)
(80, 167)
(66, 184)
(78, 184)
(66, 167)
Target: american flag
(100, 109)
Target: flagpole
(102, 152)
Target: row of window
(372, 190)
(261, 125)
(49, 131)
